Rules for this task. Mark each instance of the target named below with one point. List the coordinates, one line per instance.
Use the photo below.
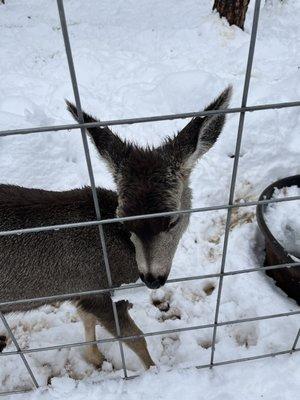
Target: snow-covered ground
(283, 220)
(150, 57)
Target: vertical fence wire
(15, 342)
(67, 44)
(234, 171)
(296, 341)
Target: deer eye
(174, 222)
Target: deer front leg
(139, 346)
(129, 328)
(92, 353)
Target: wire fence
(230, 206)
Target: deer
(53, 262)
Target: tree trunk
(233, 10)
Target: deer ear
(200, 134)
(110, 147)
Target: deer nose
(153, 282)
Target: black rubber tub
(288, 279)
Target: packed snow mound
(142, 58)
(283, 220)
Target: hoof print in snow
(172, 313)
(209, 289)
(2, 343)
(246, 338)
(163, 306)
(206, 344)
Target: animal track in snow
(163, 306)
(170, 344)
(246, 336)
(205, 340)
(205, 344)
(209, 288)
(161, 300)
(172, 313)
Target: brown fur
(67, 261)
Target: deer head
(153, 180)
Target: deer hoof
(93, 356)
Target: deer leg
(129, 328)
(2, 343)
(92, 353)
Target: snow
(283, 220)
(149, 58)
(223, 383)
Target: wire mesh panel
(99, 223)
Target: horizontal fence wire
(132, 286)
(100, 222)
(216, 364)
(144, 216)
(13, 392)
(154, 333)
(142, 120)
(244, 359)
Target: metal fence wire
(99, 223)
